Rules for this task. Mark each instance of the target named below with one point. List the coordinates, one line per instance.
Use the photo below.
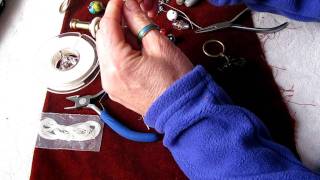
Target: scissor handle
(125, 132)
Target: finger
(110, 23)
(137, 19)
(153, 11)
(148, 4)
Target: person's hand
(148, 6)
(136, 78)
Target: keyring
(211, 41)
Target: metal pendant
(180, 25)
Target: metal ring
(221, 54)
(147, 29)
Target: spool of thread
(69, 62)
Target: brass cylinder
(77, 24)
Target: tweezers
(232, 24)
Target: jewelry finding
(229, 62)
(96, 7)
(213, 41)
(92, 26)
(180, 25)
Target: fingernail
(131, 4)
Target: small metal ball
(171, 37)
(95, 7)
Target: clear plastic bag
(70, 131)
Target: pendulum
(95, 7)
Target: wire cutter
(232, 24)
(119, 128)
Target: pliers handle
(119, 128)
(124, 131)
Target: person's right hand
(136, 78)
(149, 7)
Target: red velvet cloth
(252, 87)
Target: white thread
(50, 129)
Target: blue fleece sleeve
(210, 138)
(303, 10)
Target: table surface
(293, 55)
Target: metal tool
(92, 26)
(232, 24)
(119, 128)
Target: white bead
(172, 15)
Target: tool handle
(126, 132)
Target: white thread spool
(172, 15)
(80, 63)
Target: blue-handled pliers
(122, 130)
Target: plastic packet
(70, 131)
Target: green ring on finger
(147, 29)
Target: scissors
(87, 102)
(231, 24)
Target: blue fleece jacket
(303, 10)
(210, 138)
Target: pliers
(231, 24)
(119, 128)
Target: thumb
(137, 19)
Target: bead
(180, 25)
(179, 2)
(95, 7)
(190, 3)
(172, 15)
(171, 38)
(163, 31)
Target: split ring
(213, 41)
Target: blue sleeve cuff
(183, 90)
